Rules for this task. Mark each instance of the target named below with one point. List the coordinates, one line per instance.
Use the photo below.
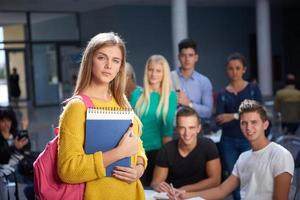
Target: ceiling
(86, 5)
(14, 16)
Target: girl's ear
(245, 69)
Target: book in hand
(104, 129)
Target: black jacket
(7, 151)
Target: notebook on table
(104, 129)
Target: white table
(152, 195)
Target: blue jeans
(230, 150)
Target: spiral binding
(109, 113)
(110, 110)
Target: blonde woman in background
(102, 78)
(156, 107)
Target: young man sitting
(265, 172)
(190, 163)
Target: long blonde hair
(143, 104)
(117, 85)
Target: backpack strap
(86, 100)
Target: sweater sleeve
(73, 165)
(137, 128)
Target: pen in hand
(173, 190)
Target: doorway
(15, 58)
(4, 101)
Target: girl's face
(5, 124)
(235, 70)
(106, 64)
(155, 73)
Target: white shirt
(257, 170)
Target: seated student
(15, 149)
(190, 163)
(265, 172)
(11, 141)
(287, 102)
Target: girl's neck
(155, 88)
(100, 92)
(237, 86)
(5, 134)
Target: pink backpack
(47, 185)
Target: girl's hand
(128, 174)
(129, 143)
(20, 143)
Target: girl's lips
(106, 73)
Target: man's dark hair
(237, 56)
(248, 106)
(187, 43)
(187, 112)
(290, 79)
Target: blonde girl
(102, 78)
(156, 107)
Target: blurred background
(44, 39)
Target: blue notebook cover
(104, 130)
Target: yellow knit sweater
(74, 166)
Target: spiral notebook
(104, 129)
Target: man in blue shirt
(193, 89)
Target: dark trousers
(147, 176)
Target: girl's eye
(116, 61)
